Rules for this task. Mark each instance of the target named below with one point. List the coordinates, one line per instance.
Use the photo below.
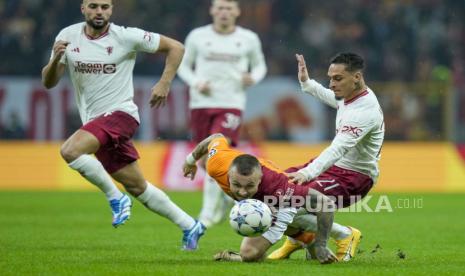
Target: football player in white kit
(222, 53)
(100, 58)
(355, 149)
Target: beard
(338, 98)
(97, 26)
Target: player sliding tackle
(243, 176)
(346, 170)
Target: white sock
(308, 222)
(292, 240)
(227, 199)
(213, 202)
(339, 232)
(157, 201)
(93, 171)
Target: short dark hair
(245, 164)
(353, 62)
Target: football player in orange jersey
(243, 176)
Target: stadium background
(415, 63)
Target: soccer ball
(250, 217)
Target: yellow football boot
(347, 247)
(289, 246)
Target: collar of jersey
(105, 33)
(356, 97)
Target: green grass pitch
(58, 233)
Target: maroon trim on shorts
(114, 132)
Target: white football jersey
(221, 59)
(359, 133)
(101, 68)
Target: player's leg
(308, 224)
(157, 201)
(212, 202)
(152, 197)
(346, 187)
(344, 190)
(346, 238)
(201, 123)
(77, 150)
(229, 126)
(254, 249)
(215, 202)
(327, 185)
(296, 239)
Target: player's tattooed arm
(202, 148)
(325, 215)
(190, 167)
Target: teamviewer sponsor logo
(109, 68)
(94, 68)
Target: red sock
(305, 237)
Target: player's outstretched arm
(325, 215)
(190, 167)
(174, 52)
(302, 71)
(54, 70)
(311, 86)
(202, 148)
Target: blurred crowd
(403, 42)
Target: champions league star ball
(250, 217)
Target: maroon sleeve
(277, 185)
(296, 168)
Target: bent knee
(69, 153)
(250, 254)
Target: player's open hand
(227, 255)
(302, 68)
(160, 94)
(189, 170)
(204, 87)
(324, 255)
(59, 49)
(296, 178)
(247, 80)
